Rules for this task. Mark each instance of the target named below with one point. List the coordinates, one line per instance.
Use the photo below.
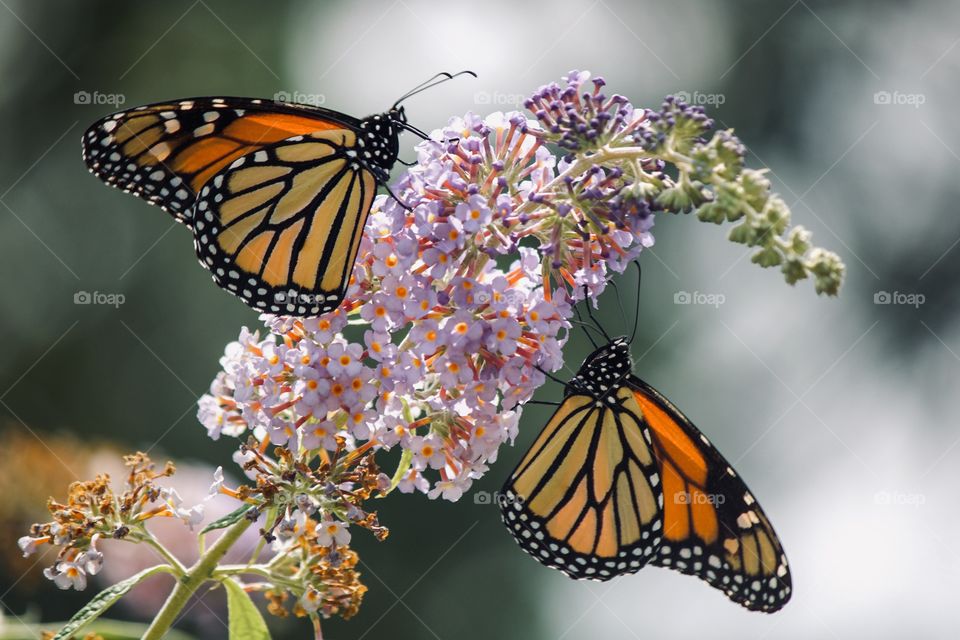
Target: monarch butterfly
(276, 193)
(619, 479)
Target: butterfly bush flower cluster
(458, 306)
(94, 511)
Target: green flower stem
(261, 570)
(199, 573)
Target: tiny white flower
(30, 545)
(217, 482)
(311, 600)
(192, 516)
(332, 531)
(451, 490)
(91, 560)
(67, 575)
(171, 497)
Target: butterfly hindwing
(713, 526)
(593, 520)
(164, 153)
(280, 227)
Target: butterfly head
(379, 140)
(602, 371)
(398, 115)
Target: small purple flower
(474, 213)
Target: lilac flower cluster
(453, 343)
(597, 210)
(449, 349)
(579, 120)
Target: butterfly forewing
(280, 227)
(713, 527)
(164, 153)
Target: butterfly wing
(165, 153)
(586, 499)
(713, 527)
(280, 227)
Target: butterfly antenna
(433, 81)
(584, 326)
(550, 375)
(548, 403)
(586, 299)
(400, 202)
(443, 76)
(414, 130)
(636, 311)
(616, 289)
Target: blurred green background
(841, 414)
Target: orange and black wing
(165, 153)
(280, 227)
(586, 499)
(713, 527)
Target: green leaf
(227, 520)
(246, 623)
(103, 600)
